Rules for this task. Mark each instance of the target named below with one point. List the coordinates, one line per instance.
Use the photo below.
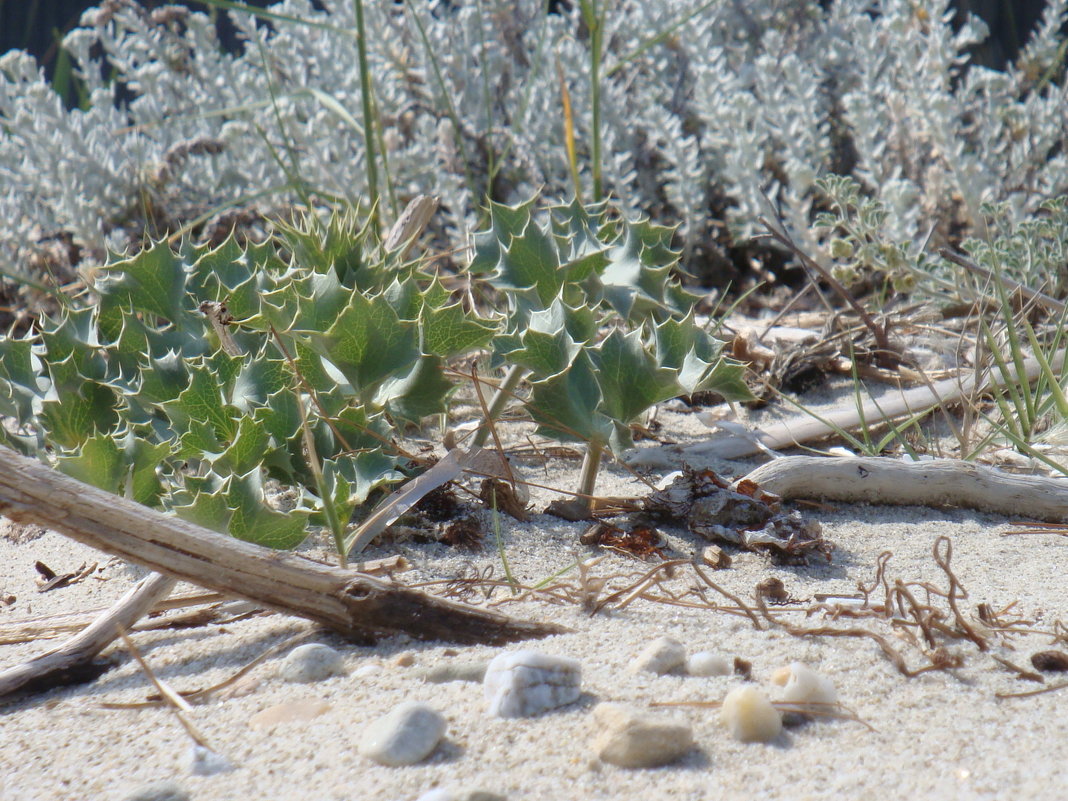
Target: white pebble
(661, 656)
(631, 739)
(749, 716)
(525, 683)
(367, 670)
(706, 663)
(205, 762)
(407, 734)
(311, 662)
(803, 685)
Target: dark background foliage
(39, 25)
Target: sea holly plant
(597, 324)
(199, 375)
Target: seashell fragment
(1050, 661)
(803, 685)
(749, 716)
(299, 711)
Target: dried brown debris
(740, 513)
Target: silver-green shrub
(703, 104)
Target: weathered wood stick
(44, 627)
(803, 428)
(356, 605)
(942, 482)
(86, 644)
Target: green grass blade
(366, 94)
(1007, 384)
(450, 109)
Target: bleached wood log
(802, 428)
(941, 482)
(86, 644)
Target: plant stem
(500, 398)
(368, 114)
(500, 545)
(887, 354)
(591, 463)
(336, 527)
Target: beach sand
(941, 735)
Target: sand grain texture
(942, 735)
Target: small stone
(521, 684)
(706, 663)
(715, 557)
(159, 791)
(406, 659)
(407, 734)
(749, 716)
(803, 685)
(311, 662)
(205, 762)
(367, 670)
(454, 671)
(661, 656)
(1050, 661)
(630, 739)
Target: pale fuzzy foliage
(739, 98)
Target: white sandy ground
(939, 736)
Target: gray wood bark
(354, 604)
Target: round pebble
(706, 663)
(407, 734)
(367, 670)
(311, 662)
(661, 656)
(749, 716)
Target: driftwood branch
(203, 608)
(802, 428)
(941, 482)
(354, 604)
(79, 650)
